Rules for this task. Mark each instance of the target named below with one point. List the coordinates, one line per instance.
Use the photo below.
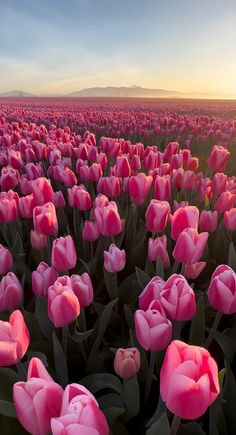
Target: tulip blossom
(114, 259)
(157, 250)
(11, 293)
(139, 187)
(127, 362)
(157, 215)
(188, 380)
(14, 339)
(190, 246)
(63, 304)
(153, 330)
(151, 292)
(222, 290)
(64, 255)
(6, 260)
(178, 298)
(186, 217)
(45, 219)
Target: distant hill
(16, 94)
(134, 91)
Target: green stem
(175, 267)
(64, 339)
(21, 370)
(175, 425)
(149, 376)
(213, 330)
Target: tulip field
(118, 267)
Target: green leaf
(8, 409)
(129, 290)
(60, 361)
(78, 337)
(161, 427)
(112, 406)
(226, 343)
(8, 378)
(143, 278)
(41, 312)
(229, 395)
(232, 257)
(111, 284)
(131, 397)
(221, 376)
(104, 320)
(32, 354)
(17, 247)
(159, 268)
(190, 428)
(101, 381)
(197, 329)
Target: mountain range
(113, 91)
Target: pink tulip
(186, 217)
(157, 215)
(8, 210)
(135, 163)
(38, 400)
(90, 231)
(109, 186)
(122, 166)
(42, 278)
(67, 177)
(6, 260)
(178, 298)
(193, 163)
(64, 255)
(219, 183)
(192, 271)
(181, 204)
(114, 259)
(218, 158)
(26, 206)
(188, 380)
(190, 246)
(59, 199)
(230, 219)
(208, 221)
(45, 219)
(9, 178)
(222, 290)
(95, 172)
(108, 220)
(139, 187)
(153, 330)
(101, 201)
(11, 293)
(63, 304)
(157, 249)
(127, 362)
(224, 202)
(79, 198)
(42, 191)
(38, 241)
(188, 181)
(162, 188)
(80, 413)
(151, 292)
(14, 339)
(83, 289)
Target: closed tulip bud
(67, 177)
(139, 187)
(224, 202)
(38, 241)
(101, 201)
(34, 172)
(178, 298)
(172, 148)
(123, 169)
(222, 290)
(45, 219)
(157, 215)
(127, 362)
(176, 179)
(190, 246)
(152, 329)
(188, 181)
(157, 250)
(90, 231)
(208, 221)
(193, 163)
(83, 289)
(108, 220)
(11, 293)
(42, 396)
(188, 380)
(9, 178)
(218, 158)
(59, 199)
(8, 210)
(192, 271)
(84, 173)
(219, 183)
(26, 206)
(151, 292)
(186, 217)
(64, 255)
(42, 191)
(14, 339)
(135, 163)
(114, 259)
(109, 186)
(63, 304)
(95, 171)
(162, 188)
(42, 278)
(181, 204)
(6, 260)
(176, 161)
(80, 413)
(230, 219)
(79, 198)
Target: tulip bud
(127, 362)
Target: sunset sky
(62, 46)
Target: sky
(61, 46)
